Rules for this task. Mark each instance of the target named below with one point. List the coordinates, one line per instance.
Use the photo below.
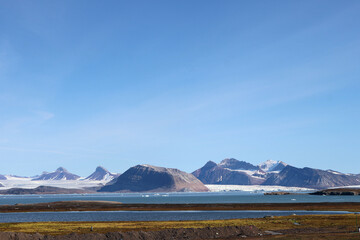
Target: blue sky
(178, 83)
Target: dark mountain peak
(101, 169)
(61, 169)
(209, 165)
(234, 164)
(142, 178)
(212, 162)
(280, 166)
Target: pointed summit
(101, 168)
(101, 174)
(209, 165)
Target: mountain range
(100, 174)
(60, 174)
(230, 171)
(235, 172)
(311, 178)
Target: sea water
(181, 198)
(147, 215)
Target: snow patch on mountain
(338, 173)
(272, 166)
(101, 174)
(254, 173)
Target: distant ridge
(311, 178)
(235, 164)
(60, 174)
(230, 171)
(276, 173)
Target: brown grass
(345, 223)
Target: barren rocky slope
(143, 178)
(311, 178)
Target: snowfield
(254, 188)
(353, 186)
(22, 182)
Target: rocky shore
(338, 191)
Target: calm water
(222, 197)
(146, 215)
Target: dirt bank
(180, 233)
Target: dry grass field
(289, 225)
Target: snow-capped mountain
(101, 174)
(233, 164)
(274, 173)
(230, 171)
(60, 178)
(272, 166)
(60, 174)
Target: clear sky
(178, 83)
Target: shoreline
(339, 226)
(285, 227)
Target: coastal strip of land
(285, 227)
(117, 206)
(344, 226)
